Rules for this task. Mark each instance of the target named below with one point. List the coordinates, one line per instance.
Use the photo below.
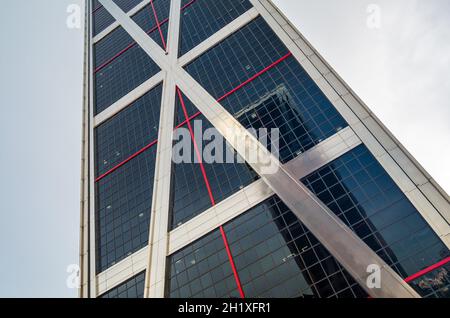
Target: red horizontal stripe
(134, 43)
(197, 151)
(231, 260)
(427, 270)
(197, 114)
(127, 160)
(188, 4)
(96, 9)
(158, 25)
(114, 57)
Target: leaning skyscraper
(343, 201)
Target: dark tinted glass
(191, 196)
(127, 5)
(120, 66)
(111, 46)
(146, 19)
(132, 288)
(357, 189)
(128, 132)
(201, 19)
(202, 270)
(435, 284)
(100, 17)
(278, 92)
(275, 256)
(123, 204)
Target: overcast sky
(401, 70)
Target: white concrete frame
(428, 198)
(116, 24)
(83, 291)
(233, 206)
(420, 188)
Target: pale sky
(400, 70)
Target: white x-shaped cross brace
(352, 253)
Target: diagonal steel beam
(159, 224)
(340, 240)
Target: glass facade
(120, 66)
(198, 187)
(123, 203)
(125, 157)
(128, 132)
(101, 18)
(278, 93)
(274, 254)
(201, 19)
(153, 15)
(265, 252)
(435, 284)
(358, 190)
(127, 5)
(132, 288)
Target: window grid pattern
(145, 18)
(312, 118)
(121, 76)
(110, 46)
(435, 284)
(191, 196)
(101, 18)
(127, 5)
(276, 108)
(185, 3)
(358, 190)
(129, 131)
(275, 256)
(123, 204)
(132, 288)
(96, 5)
(205, 17)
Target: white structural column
(159, 225)
(418, 186)
(115, 24)
(84, 186)
(347, 248)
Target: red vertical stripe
(251, 79)
(233, 266)
(205, 177)
(188, 4)
(199, 113)
(159, 26)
